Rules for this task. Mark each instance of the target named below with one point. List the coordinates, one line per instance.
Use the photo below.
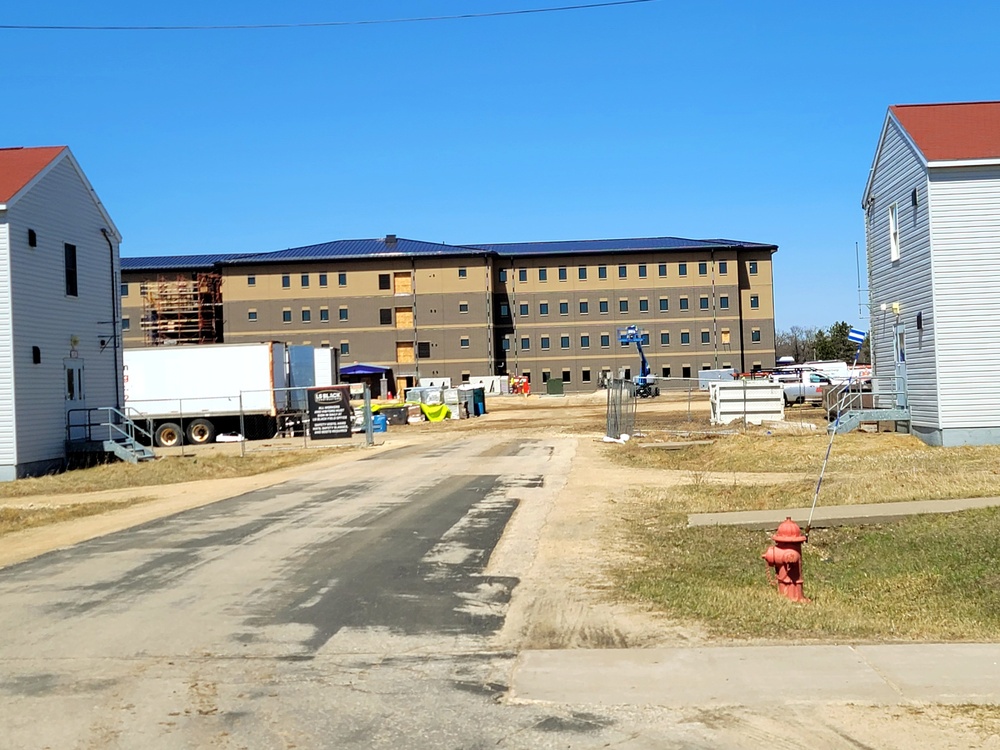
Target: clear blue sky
(750, 121)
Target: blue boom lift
(645, 383)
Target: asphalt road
(347, 608)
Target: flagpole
(833, 432)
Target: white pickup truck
(801, 386)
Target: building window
(306, 315)
(124, 290)
(286, 315)
(564, 342)
(324, 315)
(605, 341)
(522, 274)
(564, 308)
(543, 342)
(305, 281)
(582, 273)
(643, 305)
(543, 274)
(33, 242)
(665, 371)
(752, 267)
(385, 316)
(703, 269)
(755, 335)
(463, 273)
(723, 268)
(286, 281)
(345, 347)
(562, 273)
(504, 311)
(69, 252)
(602, 272)
(754, 302)
(642, 270)
(384, 281)
(685, 337)
(505, 345)
(725, 338)
(565, 376)
(662, 270)
(584, 341)
(342, 313)
(645, 339)
(686, 372)
(622, 272)
(703, 303)
(664, 338)
(423, 350)
(724, 302)
(252, 315)
(322, 280)
(623, 305)
(683, 303)
(585, 375)
(543, 308)
(664, 304)
(341, 279)
(525, 343)
(463, 307)
(503, 275)
(126, 323)
(522, 309)
(893, 234)
(251, 280)
(546, 374)
(603, 306)
(464, 342)
(584, 307)
(682, 269)
(706, 337)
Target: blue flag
(856, 336)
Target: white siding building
(932, 221)
(59, 345)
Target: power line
(325, 24)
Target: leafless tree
(798, 342)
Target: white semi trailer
(193, 393)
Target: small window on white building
(893, 234)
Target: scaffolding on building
(186, 309)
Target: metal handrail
(851, 396)
(122, 427)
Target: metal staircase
(849, 405)
(107, 430)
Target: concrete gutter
(841, 515)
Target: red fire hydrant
(785, 556)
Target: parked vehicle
(801, 385)
(193, 393)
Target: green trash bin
(554, 387)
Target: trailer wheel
(200, 431)
(168, 435)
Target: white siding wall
(965, 222)
(907, 281)
(61, 209)
(8, 453)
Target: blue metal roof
(583, 247)
(404, 248)
(202, 262)
(356, 249)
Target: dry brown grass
(167, 470)
(863, 468)
(18, 519)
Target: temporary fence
(622, 402)
(274, 419)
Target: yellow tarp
(437, 413)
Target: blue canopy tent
(375, 376)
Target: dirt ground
(561, 549)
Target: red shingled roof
(18, 166)
(951, 132)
